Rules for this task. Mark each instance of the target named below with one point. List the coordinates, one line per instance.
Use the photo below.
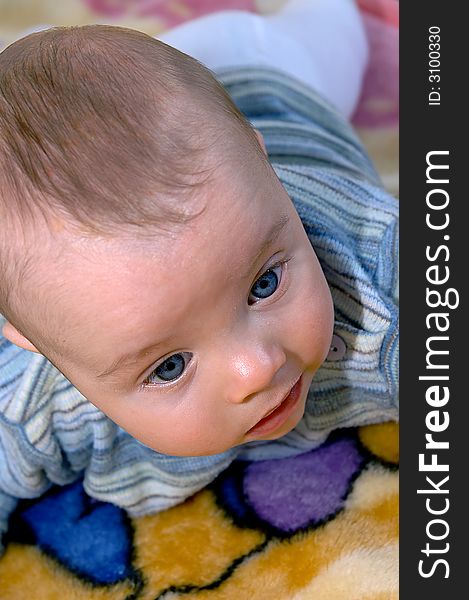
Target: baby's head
(148, 249)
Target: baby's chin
(192, 451)
(288, 426)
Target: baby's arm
(21, 475)
(31, 459)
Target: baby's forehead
(230, 214)
(232, 218)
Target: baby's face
(189, 339)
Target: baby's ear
(260, 139)
(11, 333)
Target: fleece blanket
(322, 525)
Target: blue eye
(266, 284)
(171, 368)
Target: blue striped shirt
(50, 434)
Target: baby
(164, 308)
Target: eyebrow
(271, 236)
(136, 357)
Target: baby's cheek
(167, 437)
(313, 321)
(190, 432)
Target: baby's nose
(252, 371)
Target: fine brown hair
(106, 128)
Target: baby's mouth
(280, 413)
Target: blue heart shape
(90, 538)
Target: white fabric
(321, 42)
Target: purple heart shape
(296, 492)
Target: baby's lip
(282, 400)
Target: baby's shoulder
(299, 126)
(14, 363)
(37, 402)
(352, 223)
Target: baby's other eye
(170, 369)
(266, 284)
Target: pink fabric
(171, 12)
(386, 10)
(377, 116)
(379, 102)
